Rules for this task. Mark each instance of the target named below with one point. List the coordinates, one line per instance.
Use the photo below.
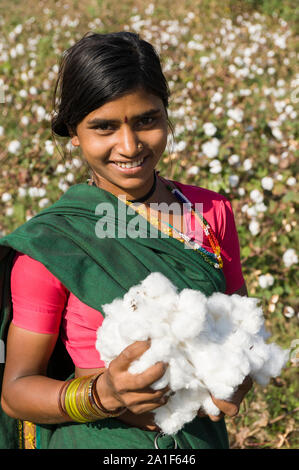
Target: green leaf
(291, 196)
(245, 252)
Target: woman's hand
(118, 388)
(230, 408)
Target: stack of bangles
(78, 399)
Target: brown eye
(146, 121)
(104, 127)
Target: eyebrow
(98, 121)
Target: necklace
(214, 259)
(196, 247)
(182, 237)
(150, 192)
(205, 225)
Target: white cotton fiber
(209, 343)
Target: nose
(127, 142)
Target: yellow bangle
(81, 401)
(70, 402)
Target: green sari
(65, 238)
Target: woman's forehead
(127, 106)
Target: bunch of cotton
(211, 148)
(210, 344)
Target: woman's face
(109, 138)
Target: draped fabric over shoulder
(66, 238)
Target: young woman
(57, 271)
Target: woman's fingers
(133, 390)
(130, 354)
(226, 407)
(148, 377)
(231, 407)
(146, 396)
(123, 379)
(147, 405)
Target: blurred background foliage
(232, 68)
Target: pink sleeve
(230, 248)
(38, 297)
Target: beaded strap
(205, 225)
(184, 238)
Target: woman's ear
(75, 141)
(74, 138)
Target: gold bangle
(77, 400)
(70, 402)
(84, 404)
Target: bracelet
(79, 400)
(61, 396)
(98, 402)
(71, 404)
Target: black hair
(102, 67)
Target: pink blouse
(41, 303)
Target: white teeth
(130, 165)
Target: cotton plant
(210, 344)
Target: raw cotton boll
(159, 349)
(246, 314)
(189, 302)
(134, 298)
(181, 373)
(238, 346)
(219, 307)
(180, 407)
(210, 344)
(157, 285)
(253, 323)
(223, 326)
(221, 390)
(276, 360)
(160, 330)
(209, 406)
(190, 299)
(258, 355)
(247, 303)
(219, 304)
(111, 309)
(244, 365)
(136, 294)
(141, 331)
(209, 360)
(183, 403)
(238, 341)
(223, 377)
(243, 302)
(225, 383)
(110, 342)
(263, 333)
(260, 378)
(167, 305)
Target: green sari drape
(65, 238)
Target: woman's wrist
(104, 397)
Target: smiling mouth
(130, 164)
